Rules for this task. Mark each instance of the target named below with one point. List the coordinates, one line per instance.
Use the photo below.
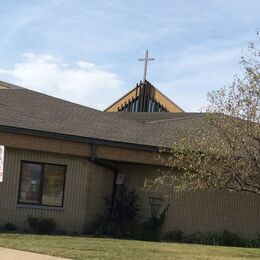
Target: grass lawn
(100, 248)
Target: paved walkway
(11, 254)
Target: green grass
(100, 248)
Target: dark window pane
(53, 185)
(30, 183)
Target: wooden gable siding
(146, 90)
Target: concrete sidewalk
(11, 254)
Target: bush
(153, 227)
(61, 232)
(175, 236)
(121, 214)
(9, 227)
(224, 238)
(42, 226)
(256, 242)
(212, 238)
(195, 238)
(134, 230)
(231, 239)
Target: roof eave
(65, 137)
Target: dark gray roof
(25, 109)
(8, 85)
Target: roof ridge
(173, 119)
(60, 99)
(10, 85)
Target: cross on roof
(146, 59)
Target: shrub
(134, 230)
(152, 229)
(255, 242)
(195, 238)
(61, 232)
(42, 226)
(153, 226)
(224, 238)
(231, 239)
(121, 214)
(9, 227)
(175, 236)
(212, 238)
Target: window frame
(42, 164)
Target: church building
(59, 159)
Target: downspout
(114, 193)
(93, 152)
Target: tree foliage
(221, 150)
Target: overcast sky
(87, 51)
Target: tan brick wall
(86, 185)
(199, 211)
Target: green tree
(221, 151)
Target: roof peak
(144, 97)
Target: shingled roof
(24, 109)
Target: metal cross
(146, 59)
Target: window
(42, 184)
